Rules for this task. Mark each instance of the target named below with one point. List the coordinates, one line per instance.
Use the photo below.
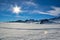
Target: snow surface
(26, 31)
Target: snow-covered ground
(26, 31)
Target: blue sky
(29, 9)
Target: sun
(16, 9)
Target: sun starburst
(16, 9)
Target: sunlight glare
(45, 32)
(16, 9)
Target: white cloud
(40, 12)
(54, 12)
(31, 3)
(35, 11)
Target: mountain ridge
(55, 20)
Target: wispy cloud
(39, 12)
(55, 11)
(31, 3)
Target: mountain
(26, 21)
(55, 20)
